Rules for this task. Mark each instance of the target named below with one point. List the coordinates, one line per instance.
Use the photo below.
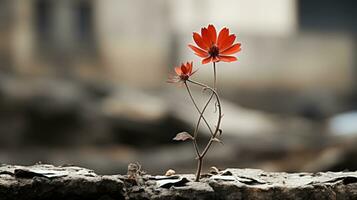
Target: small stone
(213, 170)
(170, 172)
(227, 173)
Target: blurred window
(84, 28)
(64, 29)
(85, 19)
(328, 15)
(42, 18)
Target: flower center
(213, 51)
(184, 77)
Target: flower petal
(205, 36)
(227, 58)
(206, 60)
(172, 79)
(199, 41)
(184, 69)
(201, 56)
(188, 67)
(223, 34)
(215, 59)
(227, 42)
(198, 51)
(190, 64)
(212, 33)
(231, 50)
(178, 70)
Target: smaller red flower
(183, 73)
(214, 49)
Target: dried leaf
(25, 173)
(249, 181)
(183, 136)
(172, 182)
(223, 178)
(159, 177)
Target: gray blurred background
(83, 82)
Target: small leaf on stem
(205, 89)
(217, 140)
(216, 105)
(183, 136)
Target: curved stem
(207, 103)
(194, 141)
(213, 136)
(199, 168)
(219, 117)
(195, 145)
(200, 112)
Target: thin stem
(214, 76)
(213, 136)
(194, 141)
(203, 110)
(219, 116)
(195, 145)
(207, 103)
(199, 111)
(215, 83)
(199, 168)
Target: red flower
(183, 73)
(213, 48)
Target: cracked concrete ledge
(71, 182)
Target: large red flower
(212, 48)
(183, 73)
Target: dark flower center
(213, 51)
(184, 77)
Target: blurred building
(295, 52)
(286, 44)
(90, 39)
